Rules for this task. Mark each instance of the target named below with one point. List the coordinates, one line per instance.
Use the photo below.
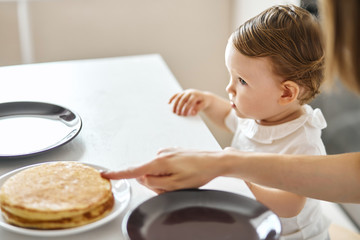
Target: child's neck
(283, 117)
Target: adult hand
(189, 102)
(173, 169)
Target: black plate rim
(127, 216)
(51, 147)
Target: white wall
(190, 35)
(244, 9)
(9, 40)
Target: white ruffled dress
(299, 136)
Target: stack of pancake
(55, 196)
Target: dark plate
(201, 215)
(28, 128)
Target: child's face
(254, 90)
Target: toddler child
(275, 62)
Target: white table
(123, 103)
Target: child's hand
(188, 102)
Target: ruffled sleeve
(316, 118)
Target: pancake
(55, 196)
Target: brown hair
(291, 37)
(341, 24)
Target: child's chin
(240, 115)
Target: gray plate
(28, 128)
(201, 215)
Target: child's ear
(290, 92)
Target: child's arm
(190, 102)
(284, 204)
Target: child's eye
(242, 81)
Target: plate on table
(29, 128)
(201, 214)
(122, 195)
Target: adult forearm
(333, 177)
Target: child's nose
(229, 88)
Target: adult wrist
(230, 163)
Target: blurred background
(190, 35)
